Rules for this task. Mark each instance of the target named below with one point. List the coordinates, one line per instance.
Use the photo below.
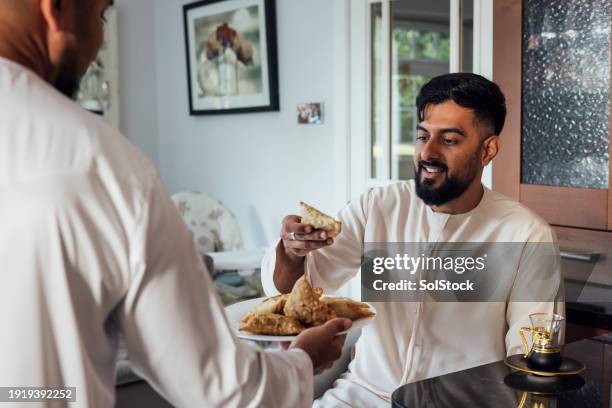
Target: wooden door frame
(610, 159)
(507, 56)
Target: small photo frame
(310, 113)
(232, 62)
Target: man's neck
(464, 203)
(25, 51)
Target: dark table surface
(484, 386)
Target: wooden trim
(507, 57)
(582, 235)
(610, 158)
(573, 207)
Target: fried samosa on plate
(274, 304)
(271, 324)
(304, 303)
(349, 308)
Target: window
(411, 42)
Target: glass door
(411, 42)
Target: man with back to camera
(84, 253)
(460, 118)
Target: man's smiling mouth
(432, 169)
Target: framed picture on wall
(232, 62)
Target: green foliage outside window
(417, 45)
(422, 45)
(413, 47)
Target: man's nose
(430, 150)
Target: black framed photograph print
(232, 64)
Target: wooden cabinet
(557, 104)
(553, 65)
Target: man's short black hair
(470, 91)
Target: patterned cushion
(214, 227)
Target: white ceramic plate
(236, 311)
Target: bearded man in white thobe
(91, 247)
(460, 119)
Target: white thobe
(411, 341)
(91, 246)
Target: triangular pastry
(319, 220)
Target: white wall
(137, 74)
(260, 164)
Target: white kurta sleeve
(538, 287)
(267, 270)
(332, 266)
(176, 332)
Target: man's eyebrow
(453, 130)
(445, 130)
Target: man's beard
(69, 77)
(450, 188)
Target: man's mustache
(435, 164)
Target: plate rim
(272, 338)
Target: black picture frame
(201, 103)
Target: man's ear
(54, 14)
(490, 147)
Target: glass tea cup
(545, 350)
